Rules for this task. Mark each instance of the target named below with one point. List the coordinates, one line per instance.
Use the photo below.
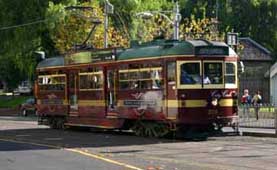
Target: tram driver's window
(190, 73)
(230, 77)
(213, 72)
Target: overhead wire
(22, 25)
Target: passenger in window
(186, 79)
(206, 80)
(134, 85)
(197, 78)
(156, 84)
(216, 80)
(145, 85)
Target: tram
(154, 88)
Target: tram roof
(51, 62)
(172, 47)
(154, 48)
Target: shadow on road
(77, 137)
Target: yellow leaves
(75, 28)
(149, 29)
(200, 28)
(116, 39)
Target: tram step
(112, 115)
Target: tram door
(111, 90)
(171, 91)
(73, 93)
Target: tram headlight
(214, 102)
(183, 96)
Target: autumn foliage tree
(70, 28)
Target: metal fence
(258, 116)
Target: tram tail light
(183, 100)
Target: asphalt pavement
(25, 145)
(15, 155)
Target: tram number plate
(212, 111)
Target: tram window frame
(214, 85)
(137, 79)
(231, 85)
(188, 86)
(91, 69)
(95, 86)
(48, 83)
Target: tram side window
(144, 78)
(213, 73)
(190, 74)
(171, 73)
(91, 81)
(51, 83)
(230, 74)
(151, 78)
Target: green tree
(18, 43)
(126, 20)
(256, 19)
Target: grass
(12, 101)
(269, 109)
(265, 112)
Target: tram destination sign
(139, 103)
(90, 56)
(212, 50)
(106, 55)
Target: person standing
(257, 100)
(246, 101)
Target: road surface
(25, 145)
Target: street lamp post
(108, 9)
(175, 22)
(177, 19)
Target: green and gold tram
(153, 88)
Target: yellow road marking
(91, 155)
(102, 158)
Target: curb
(259, 134)
(9, 111)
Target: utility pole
(177, 19)
(108, 9)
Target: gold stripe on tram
(168, 103)
(91, 103)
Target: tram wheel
(60, 123)
(52, 123)
(150, 129)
